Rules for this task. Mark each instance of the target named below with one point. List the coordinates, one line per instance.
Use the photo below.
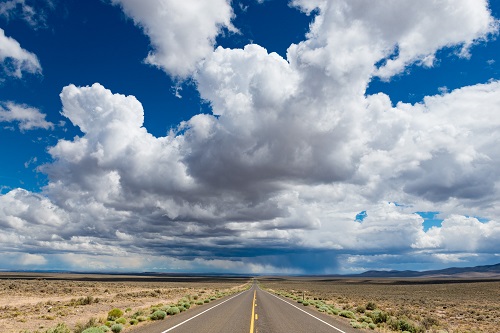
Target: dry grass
(30, 302)
(452, 306)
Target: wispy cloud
(26, 117)
(15, 60)
(32, 12)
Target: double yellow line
(252, 320)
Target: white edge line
(321, 320)
(199, 314)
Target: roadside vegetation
(410, 306)
(118, 320)
(45, 306)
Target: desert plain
(444, 305)
(38, 302)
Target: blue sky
(249, 136)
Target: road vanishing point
(251, 311)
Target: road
(271, 314)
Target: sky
(255, 137)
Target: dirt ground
(31, 302)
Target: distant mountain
(489, 271)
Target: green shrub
(299, 301)
(347, 314)
(372, 326)
(371, 306)
(365, 319)
(305, 303)
(186, 306)
(121, 320)
(115, 314)
(60, 328)
(355, 324)
(334, 310)
(428, 322)
(116, 328)
(199, 302)
(133, 321)
(360, 309)
(213, 298)
(182, 308)
(104, 328)
(404, 325)
(84, 301)
(158, 315)
(93, 330)
(173, 311)
(138, 314)
(379, 316)
(142, 318)
(206, 301)
(109, 323)
(80, 328)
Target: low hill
(488, 271)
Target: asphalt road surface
(252, 311)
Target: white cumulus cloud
(181, 32)
(463, 234)
(395, 33)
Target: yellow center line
(252, 319)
